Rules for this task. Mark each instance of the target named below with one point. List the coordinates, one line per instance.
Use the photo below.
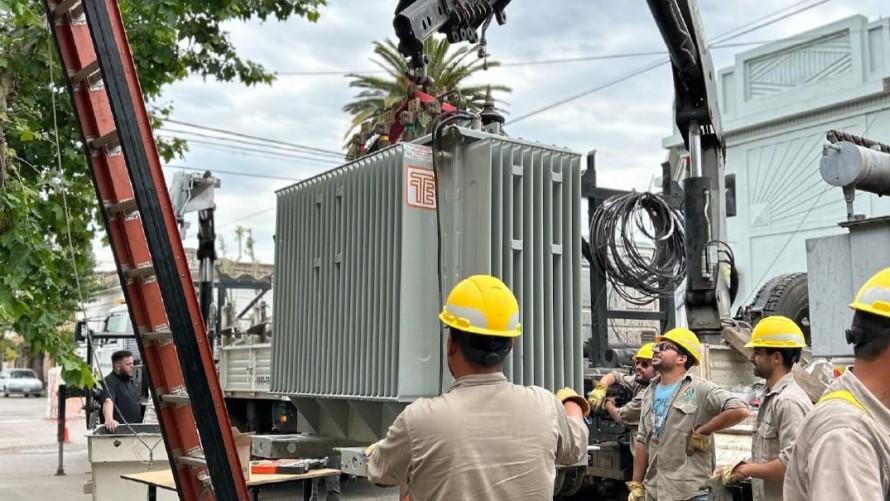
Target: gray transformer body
(357, 334)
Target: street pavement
(29, 460)
(29, 455)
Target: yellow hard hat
(776, 332)
(482, 304)
(645, 352)
(874, 296)
(684, 338)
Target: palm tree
(447, 68)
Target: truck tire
(785, 295)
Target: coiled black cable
(619, 232)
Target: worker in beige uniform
(675, 451)
(843, 450)
(636, 384)
(486, 438)
(777, 342)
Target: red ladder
(144, 237)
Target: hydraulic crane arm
(694, 80)
(194, 193)
(697, 116)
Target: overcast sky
(624, 123)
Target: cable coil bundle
(638, 273)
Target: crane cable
(638, 241)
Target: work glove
(729, 475)
(568, 394)
(597, 396)
(637, 492)
(699, 442)
(370, 449)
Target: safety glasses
(642, 363)
(665, 346)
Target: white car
(22, 381)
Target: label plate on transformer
(418, 152)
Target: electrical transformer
(361, 252)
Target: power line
(594, 57)
(734, 33)
(248, 136)
(245, 218)
(249, 142)
(753, 26)
(605, 85)
(539, 62)
(797, 38)
(233, 173)
(267, 156)
(244, 150)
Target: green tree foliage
(48, 207)
(449, 68)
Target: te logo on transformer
(420, 188)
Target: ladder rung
(141, 271)
(85, 72)
(205, 479)
(127, 206)
(99, 142)
(194, 459)
(176, 398)
(65, 6)
(161, 336)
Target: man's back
(843, 451)
(485, 439)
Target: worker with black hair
(486, 438)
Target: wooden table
(164, 480)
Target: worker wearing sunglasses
(675, 454)
(635, 385)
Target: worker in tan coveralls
(777, 342)
(675, 452)
(636, 384)
(486, 438)
(843, 451)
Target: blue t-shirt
(663, 394)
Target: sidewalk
(29, 453)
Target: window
(22, 374)
(119, 323)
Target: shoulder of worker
(458, 398)
(872, 419)
(793, 395)
(837, 422)
(110, 379)
(624, 380)
(836, 415)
